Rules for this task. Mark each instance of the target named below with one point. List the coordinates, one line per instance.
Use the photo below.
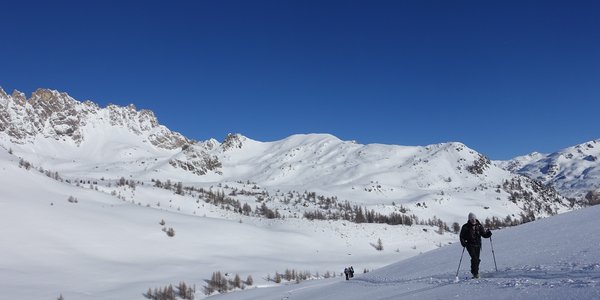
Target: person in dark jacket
(470, 237)
(347, 273)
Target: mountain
(441, 180)
(97, 239)
(573, 171)
(49, 114)
(104, 203)
(430, 184)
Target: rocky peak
(48, 96)
(194, 159)
(233, 141)
(91, 105)
(148, 119)
(57, 115)
(19, 97)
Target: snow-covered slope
(435, 182)
(553, 258)
(84, 189)
(441, 180)
(83, 243)
(574, 171)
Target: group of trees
(25, 164)
(220, 283)
(297, 276)
(534, 197)
(28, 166)
(125, 182)
(358, 214)
(327, 208)
(479, 165)
(183, 291)
(169, 231)
(220, 199)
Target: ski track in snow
(554, 276)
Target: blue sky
(504, 77)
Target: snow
(108, 244)
(553, 258)
(103, 247)
(374, 176)
(573, 171)
(113, 142)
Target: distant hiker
(347, 273)
(351, 271)
(470, 237)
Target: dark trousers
(474, 251)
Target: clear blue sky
(504, 77)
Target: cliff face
(57, 115)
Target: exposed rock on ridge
(573, 171)
(57, 115)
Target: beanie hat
(472, 216)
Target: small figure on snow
(349, 272)
(470, 237)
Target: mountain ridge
(575, 170)
(57, 115)
(314, 196)
(428, 180)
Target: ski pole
(459, 263)
(493, 254)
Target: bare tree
(249, 280)
(379, 245)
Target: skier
(351, 271)
(470, 237)
(347, 273)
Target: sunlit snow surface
(554, 258)
(105, 248)
(110, 245)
